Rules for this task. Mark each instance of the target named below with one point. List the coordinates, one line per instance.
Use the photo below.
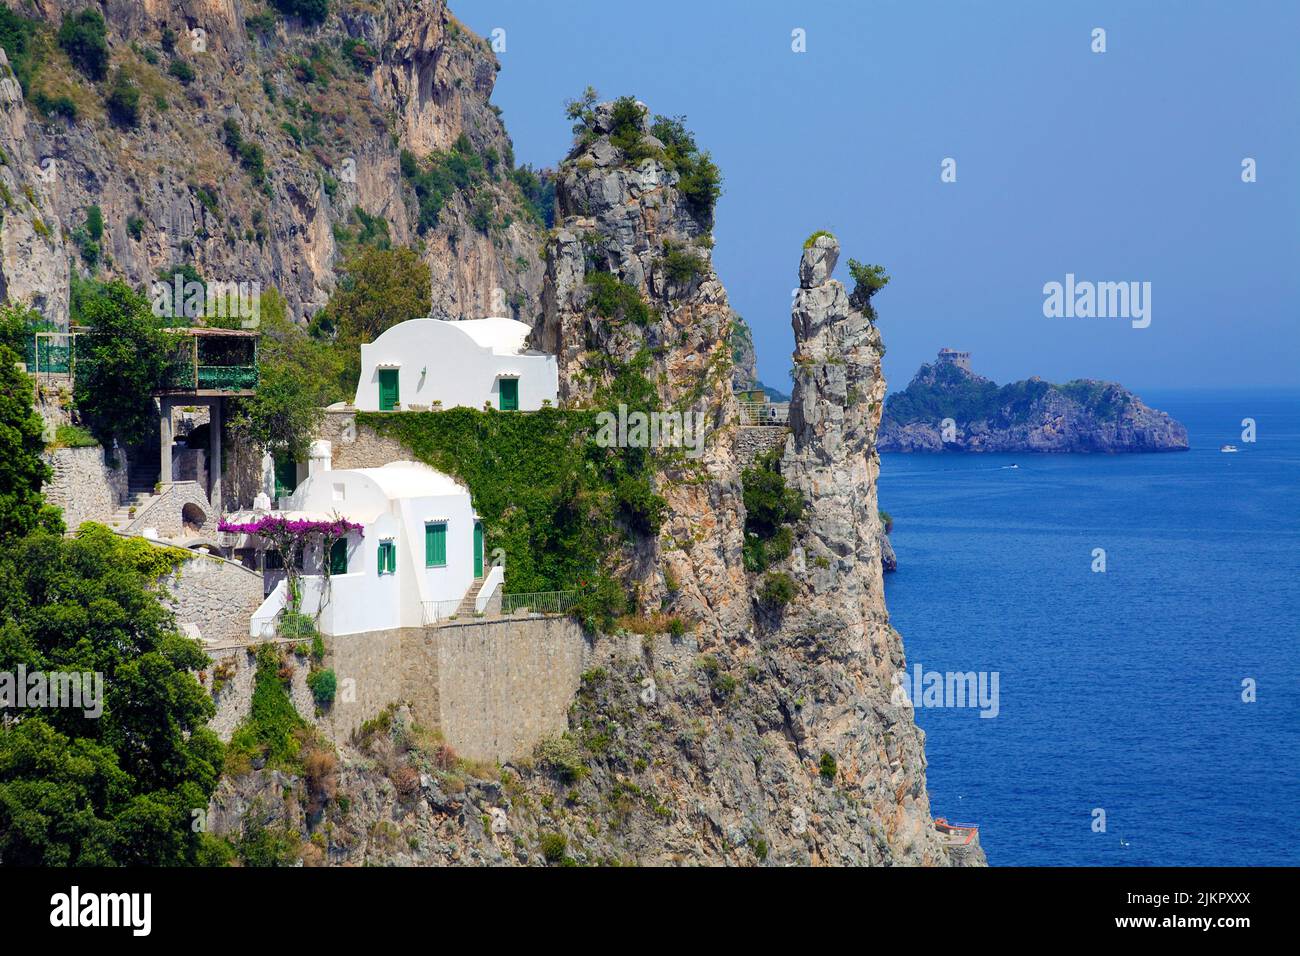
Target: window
(435, 544)
(509, 394)
(387, 557)
(339, 557)
(388, 394)
(272, 560)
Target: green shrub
(295, 624)
(123, 101)
(310, 12)
(323, 685)
(182, 71)
(770, 507)
(613, 299)
(271, 729)
(17, 38)
(827, 767)
(554, 847)
(777, 590)
(680, 265)
(562, 757)
(55, 106)
(82, 37)
(442, 176)
(809, 242)
(135, 227)
(73, 436)
(698, 178)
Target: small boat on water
(1227, 448)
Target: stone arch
(192, 518)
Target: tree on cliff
(298, 375)
(22, 471)
(867, 281)
(121, 361)
(377, 289)
(115, 780)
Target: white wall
(437, 362)
(362, 599)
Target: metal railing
(764, 413)
(540, 602)
(436, 611)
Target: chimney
(318, 457)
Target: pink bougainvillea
(278, 526)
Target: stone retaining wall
(216, 595)
(355, 446)
(493, 688)
(84, 486)
(754, 440)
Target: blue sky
(1115, 166)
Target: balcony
(211, 361)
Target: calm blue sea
(1123, 690)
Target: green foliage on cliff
(699, 179)
(18, 37)
(272, 729)
(377, 288)
(559, 505)
(81, 36)
(808, 243)
(119, 789)
(309, 11)
(616, 300)
(444, 174)
(867, 281)
(770, 509)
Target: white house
(467, 363)
(415, 562)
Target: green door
(509, 394)
(388, 396)
(286, 477)
(478, 550)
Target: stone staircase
(136, 497)
(142, 478)
(466, 608)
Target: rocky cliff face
(761, 735)
(331, 108)
(1028, 416)
(629, 224)
(33, 257)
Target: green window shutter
(339, 557)
(383, 549)
(509, 394)
(435, 544)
